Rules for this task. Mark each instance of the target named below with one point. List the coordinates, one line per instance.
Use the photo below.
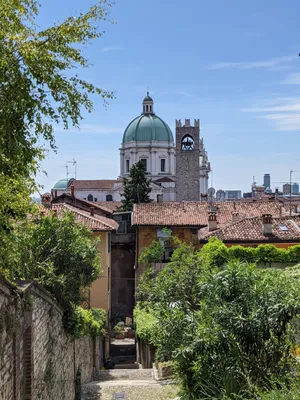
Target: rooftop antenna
(74, 162)
(67, 170)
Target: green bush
(83, 322)
(227, 326)
(145, 324)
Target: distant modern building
(267, 181)
(220, 195)
(286, 189)
(248, 195)
(233, 194)
(295, 188)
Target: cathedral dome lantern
(148, 105)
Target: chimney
(235, 216)
(212, 221)
(280, 210)
(72, 190)
(267, 224)
(159, 198)
(92, 211)
(46, 199)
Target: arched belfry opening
(187, 143)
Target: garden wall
(38, 360)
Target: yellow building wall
(146, 234)
(100, 288)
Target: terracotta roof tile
(190, 213)
(251, 229)
(109, 206)
(95, 184)
(95, 222)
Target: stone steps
(126, 374)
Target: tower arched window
(147, 108)
(109, 197)
(187, 143)
(90, 197)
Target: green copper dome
(147, 127)
(63, 184)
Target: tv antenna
(74, 163)
(67, 170)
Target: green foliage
(59, 254)
(136, 187)
(145, 324)
(62, 256)
(292, 392)
(152, 254)
(39, 88)
(215, 252)
(227, 326)
(86, 322)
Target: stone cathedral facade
(179, 169)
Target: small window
(147, 108)
(163, 165)
(284, 228)
(95, 199)
(109, 197)
(90, 197)
(108, 242)
(144, 161)
(150, 108)
(127, 166)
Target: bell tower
(187, 161)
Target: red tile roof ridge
(110, 223)
(226, 227)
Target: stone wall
(187, 176)
(38, 360)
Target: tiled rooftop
(94, 184)
(190, 213)
(95, 222)
(109, 206)
(251, 230)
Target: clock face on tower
(187, 143)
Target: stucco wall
(99, 293)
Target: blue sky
(233, 64)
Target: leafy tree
(60, 254)
(38, 89)
(136, 187)
(227, 326)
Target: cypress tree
(136, 187)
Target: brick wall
(37, 359)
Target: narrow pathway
(129, 384)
